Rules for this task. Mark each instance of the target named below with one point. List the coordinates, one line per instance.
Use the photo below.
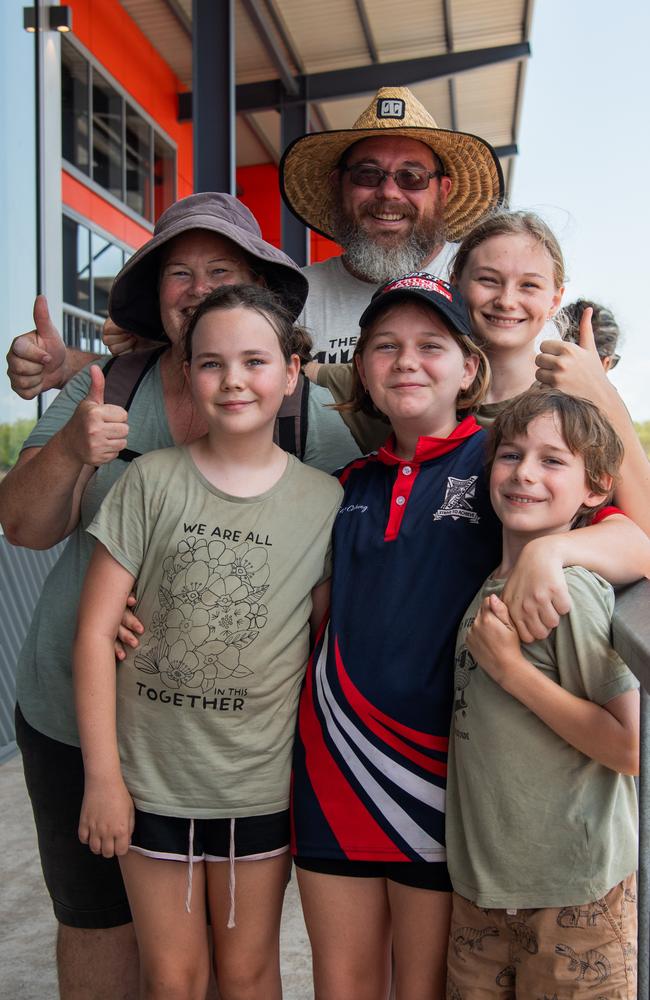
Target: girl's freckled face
(238, 375)
(509, 287)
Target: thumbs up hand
(97, 431)
(573, 368)
(36, 360)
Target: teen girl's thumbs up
(573, 368)
(98, 431)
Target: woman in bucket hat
(67, 466)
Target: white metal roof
(315, 36)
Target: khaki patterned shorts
(572, 953)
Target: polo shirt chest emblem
(457, 503)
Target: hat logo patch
(423, 281)
(392, 107)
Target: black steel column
(213, 95)
(295, 236)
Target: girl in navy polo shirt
(414, 539)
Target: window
(106, 138)
(75, 105)
(138, 163)
(90, 262)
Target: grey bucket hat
(134, 303)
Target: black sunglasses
(407, 178)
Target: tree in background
(643, 430)
(11, 439)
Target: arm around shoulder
(536, 592)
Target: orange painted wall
(107, 31)
(78, 197)
(257, 187)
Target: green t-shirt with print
(206, 706)
(531, 821)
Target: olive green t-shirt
(531, 821)
(44, 671)
(206, 706)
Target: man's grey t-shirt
(337, 299)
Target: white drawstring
(190, 871)
(231, 861)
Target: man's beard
(384, 256)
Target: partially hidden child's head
(554, 461)
(293, 339)
(606, 329)
(510, 271)
(420, 292)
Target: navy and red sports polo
(413, 542)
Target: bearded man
(394, 191)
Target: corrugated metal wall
(22, 573)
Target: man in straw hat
(394, 191)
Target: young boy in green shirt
(541, 804)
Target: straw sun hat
(470, 162)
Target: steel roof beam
(281, 29)
(213, 85)
(263, 140)
(262, 25)
(183, 20)
(317, 120)
(449, 40)
(295, 235)
(366, 79)
(367, 30)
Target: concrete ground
(28, 926)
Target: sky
(584, 162)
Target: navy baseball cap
(420, 286)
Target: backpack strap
(290, 431)
(123, 374)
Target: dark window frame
(108, 238)
(128, 106)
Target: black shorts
(167, 837)
(86, 890)
(417, 874)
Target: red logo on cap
(424, 281)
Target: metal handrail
(83, 329)
(631, 637)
